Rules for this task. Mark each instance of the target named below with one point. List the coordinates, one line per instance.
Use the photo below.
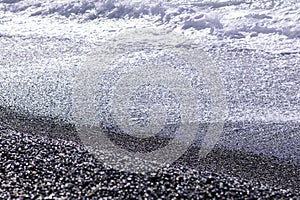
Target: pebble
(43, 168)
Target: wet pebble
(44, 168)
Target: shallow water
(254, 44)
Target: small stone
(61, 154)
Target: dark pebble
(38, 167)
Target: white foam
(241, 21)
(270, 25)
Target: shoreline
(270, 170)
(237, 136)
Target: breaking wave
(229, 19)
